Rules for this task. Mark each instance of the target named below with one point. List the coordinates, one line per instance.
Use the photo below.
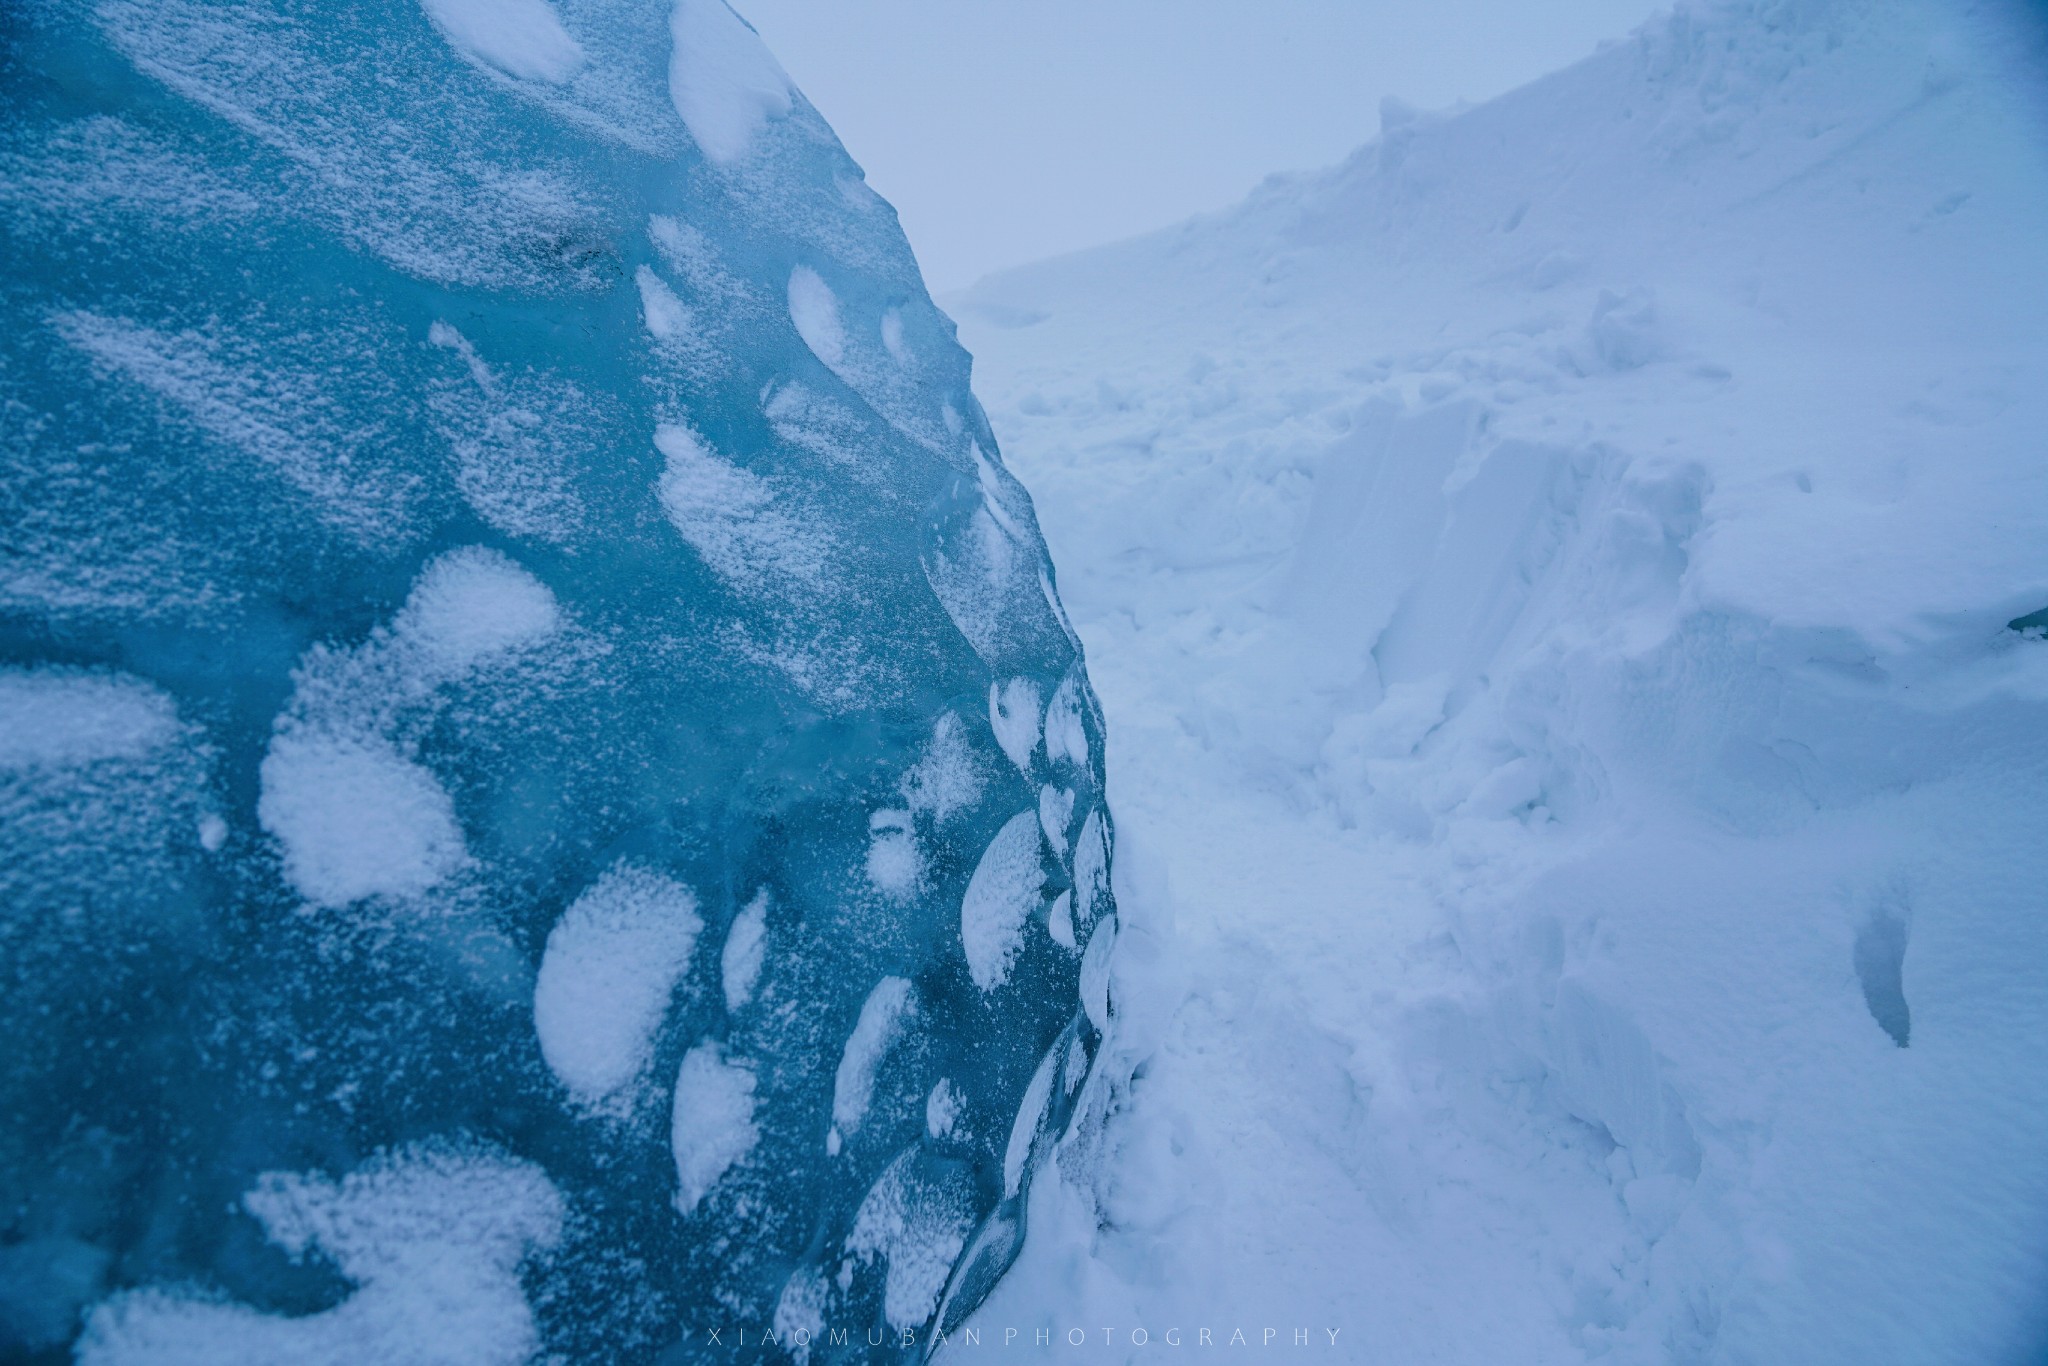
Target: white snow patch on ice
(1024, 1129)
(723, 80)
(432, 1238)
(732, 517)
(522, 38)
(515, 442)
(1059, 922)
(272, 418)
(1055, 811)
(471, 606)
(611, 966)
(691, 254)
(1065, 736)
(943, 1108)
(814, 308)
(799, 1321)
(919, 1230)
(1091, 868)
(895, 865)
(713, 1128)
(975, 579)
(355, 813)
(948, 777)
(1013, 716)
(667, 317)
(746, 949)
(892, 336)
(357, 818)
(387, 184)
(1005, 890)
(56, 719)
(883, 1017)
(1096, 964)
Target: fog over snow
(1005, 131)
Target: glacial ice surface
(508, 850)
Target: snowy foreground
(1557, 584)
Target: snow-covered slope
(1551, 580)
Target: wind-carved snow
(713, 1128)
(611, 966)
(431, 1237)
(521, 38)
(1001, 897)
(355, 814)
(884, 1016)
(725, 84)
(1880, 961)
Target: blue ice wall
(547, 803)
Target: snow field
(1548, 580)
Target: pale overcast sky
(1009, 130)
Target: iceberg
(550, 806)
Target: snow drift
(1563, 587)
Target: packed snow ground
(1580, 799)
